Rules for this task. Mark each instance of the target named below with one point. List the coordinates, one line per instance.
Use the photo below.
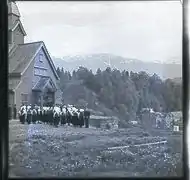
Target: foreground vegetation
(41, 151)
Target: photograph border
(4, 86)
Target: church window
(40, 72)
(41, 57)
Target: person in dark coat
(75, 119)
(29, 116)
(34, 115)
(48, 116)
(22, 116)
(45, 116)
(14, 112)
(69, 117)
(56, 119)
(51, 117)
(86, 118)
(81, 119)
(37, 115)
(41, 116)
(63, 118)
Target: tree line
(128, 92)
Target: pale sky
(144, 30)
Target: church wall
(25, 86)
(29, 78)
(45, 64)
(42, 67)
(58, 96)
(11, 102)
(11, 99)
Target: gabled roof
(17, 23)
(44, 82)
(50, 60)
(21, 58)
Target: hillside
(76, 93)
(102, 61)
(121, 94)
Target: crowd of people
(54, 115)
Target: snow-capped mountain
(104, 60)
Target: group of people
(54, 115)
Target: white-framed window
(24, 98)
(41, 57)
(40, 72)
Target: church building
(32, 75)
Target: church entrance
(44, 92)
(48, 98)
(43, 98)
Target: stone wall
(104, 122)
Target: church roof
(17, 23)
(23, 55)
(44, 82)
(13, 9)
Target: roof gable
(24, 54)
(44, 83)
(17, 24)
(50, 61)
(42, 61)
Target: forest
(126, 93)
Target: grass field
(39, 150)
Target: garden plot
(67, 151)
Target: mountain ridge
(104, 60)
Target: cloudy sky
(144, 30)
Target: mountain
(103, 60)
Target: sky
(148, 31)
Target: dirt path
(42, 150)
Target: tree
(127, 95)
(98, 72)
(69, 75)
(58, 71)
(74, 75)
